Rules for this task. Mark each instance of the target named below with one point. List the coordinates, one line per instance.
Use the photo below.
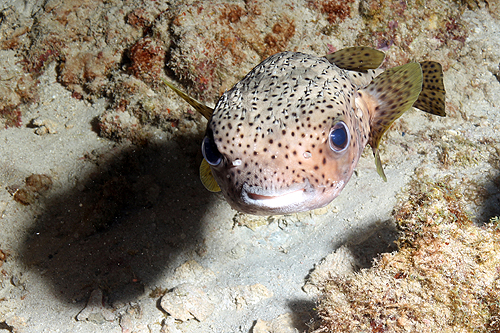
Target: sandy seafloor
(173, 233)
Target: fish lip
(292, 195)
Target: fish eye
(210, 151)
(339, 137)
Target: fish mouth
(279, 200)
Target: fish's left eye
(339, 137)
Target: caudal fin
(432, 97)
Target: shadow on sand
(120, 227)
(491, 205)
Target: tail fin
(432, 97)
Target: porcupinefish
(287, 137)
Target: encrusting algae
(287, 137)
(444, 278)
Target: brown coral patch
(140, 18)
(86, 73)
(39, 57)
(221, 48)
(335, 10)
(11, 115)
(278, 39)
(232, 13)
(147, 56)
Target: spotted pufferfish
(287, 137)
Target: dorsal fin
(200, 107)
(357, 58)
(432, 97)
(207, 178)
(388, 96)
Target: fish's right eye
(210, 151)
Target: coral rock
(186, 302)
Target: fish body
(288, 136)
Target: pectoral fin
(390, 95)
(200, 107)
(378, 164)
(207, 178)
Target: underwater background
(106, 226)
